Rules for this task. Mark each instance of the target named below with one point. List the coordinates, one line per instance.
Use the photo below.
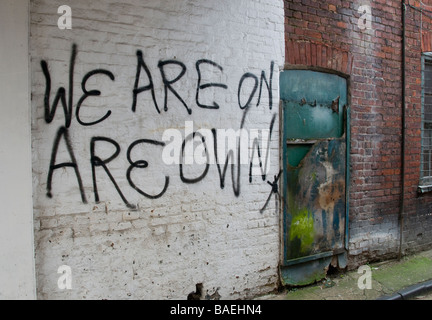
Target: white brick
(133, 215)
(122, 226)
(200, 232)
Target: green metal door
(315, 127)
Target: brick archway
(319, 55)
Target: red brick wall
(326, 36)
(418, 208)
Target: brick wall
(418, 207)
(108, 202)
(370, 56)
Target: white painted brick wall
(195, 232)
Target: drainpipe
(402, 199)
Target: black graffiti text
(144, 84)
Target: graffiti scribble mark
(274, 191)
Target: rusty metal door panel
(315, 200)
(315, 171)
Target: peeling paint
(315, 172)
